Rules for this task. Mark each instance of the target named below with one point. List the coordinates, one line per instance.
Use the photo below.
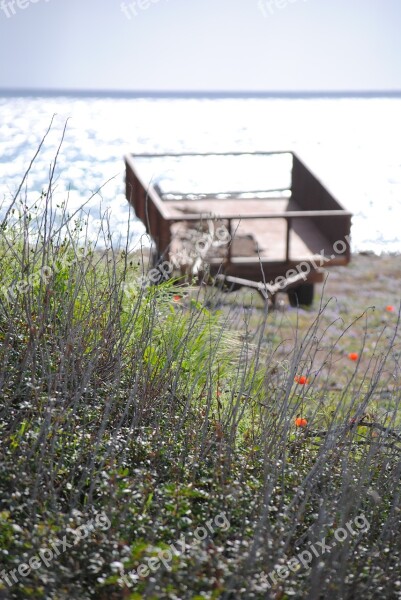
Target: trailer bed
(277, 213)
(268, 235)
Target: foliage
(162, 415)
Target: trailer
(270, 223)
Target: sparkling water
(353, 145)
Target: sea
(351, 142)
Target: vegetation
(155, 412)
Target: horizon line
(46, 92)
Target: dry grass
(162, 414)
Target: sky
(201, 45)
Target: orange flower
(353, 356)
(390, 308)
(300, 422)
(176, 298)
(301, 379)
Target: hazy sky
(255, 45)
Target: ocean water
(352, 144)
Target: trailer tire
(301, 295)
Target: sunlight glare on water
(352, 145)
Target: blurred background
(320, 77)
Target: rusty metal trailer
(283, 223)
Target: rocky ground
(354, 320)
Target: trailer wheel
(301, 295)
